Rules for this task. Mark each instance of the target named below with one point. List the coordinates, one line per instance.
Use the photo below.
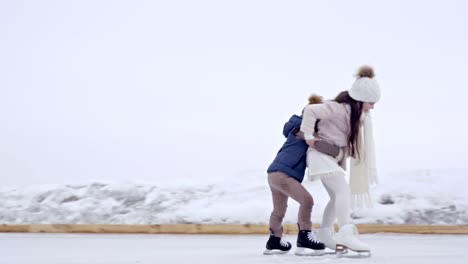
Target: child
(285, 175)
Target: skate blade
(309, 252)
(345, 252)
(329, 251)
(274, 252)
(354, 254)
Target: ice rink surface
(219, 249)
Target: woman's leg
(347, 235)
(329, 215)
(338, 188)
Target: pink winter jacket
(334, 125)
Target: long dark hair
(356, 111)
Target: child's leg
(280, 204)
(290, 187)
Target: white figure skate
(326, 236)
(346, 241)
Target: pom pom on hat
(365, 88)
(315, 99)
(365, 71)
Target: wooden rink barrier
(231, 229)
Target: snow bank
(407, 197)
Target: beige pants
(282, 187)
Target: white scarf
(363, 172)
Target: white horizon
(155, 90)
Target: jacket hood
(293, 123)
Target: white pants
(340, 200)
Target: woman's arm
(310, 116)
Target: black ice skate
(277, 245)
(308, 245)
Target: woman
(345, 122)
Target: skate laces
(284, 243)
(312, 237)
(355, 230)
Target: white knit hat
(365, 88)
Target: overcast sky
(161, 90)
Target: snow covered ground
(151, 249)
(404, 197)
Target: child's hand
(300, 135)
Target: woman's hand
(311, 142)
